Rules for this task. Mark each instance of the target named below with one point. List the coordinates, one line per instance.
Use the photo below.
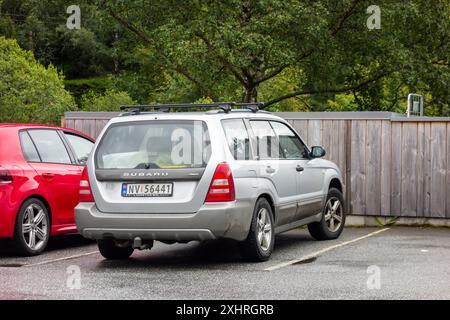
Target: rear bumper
(219, 220)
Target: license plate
(147, 189)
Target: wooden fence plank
(420, 169)
(327, 133)
(427, 171)
(438, 169)
(448, 171)
(396, 168)
(373, 168)
(314, 132)
(358, 167)
(99, 125)
(78, 125)
(69, 123)
(301, 126)
(408, 172)
(385, 175)
(338, 140)
(348, 165)
(334, 142)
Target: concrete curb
(360, 221)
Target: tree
(241, 45)
(40, 26)
(292, 54)
(29, 92)
(111, 100)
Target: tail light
(5, 176)
(222, 185)
(85, 187)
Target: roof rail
(224, 106)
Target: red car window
(29, 150)
(50, 146)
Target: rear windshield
(154, 144)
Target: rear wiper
(147, 165)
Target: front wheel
(109, 249)
(333, 218)
(259, 243)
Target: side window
(237, 138)
(81, 146)
(28, 149)
(291, 147)
(50, 146)
(266, 140)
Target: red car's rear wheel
(32, 229)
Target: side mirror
(317, 152)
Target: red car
(40, 173)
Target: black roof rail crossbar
(253, 106)
(225, 106)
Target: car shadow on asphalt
(56, 243)
(215, 253)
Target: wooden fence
(392, 165)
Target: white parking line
(59, 259)
(317, 253)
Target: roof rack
(224, 106)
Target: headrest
(159, 144)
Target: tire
(260, 240)
(110, 250)
(333, 219)
(32, 228)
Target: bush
(80, 87)
(111, 100)
(29, 92)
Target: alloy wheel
(34, 226)
(264, 225)
(333, 214)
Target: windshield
(154, 144)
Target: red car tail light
(85, 187)
(5, 176)
(222, 185)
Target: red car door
(59, 176)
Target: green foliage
(287, 81)
(79, 87)
(40, 26)
(111, 100)
(387, 221)
(296, 55)
(342, 102)
(247, 50)
(29, 92)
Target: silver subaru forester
(241, 174)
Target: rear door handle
(48, 176)
(299, 168)
(270, 170)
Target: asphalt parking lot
(365, 263)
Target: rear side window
(266, 140)
(50, 146)
(81, 146)
(237, 138)
(164, 144)
(28, 149)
